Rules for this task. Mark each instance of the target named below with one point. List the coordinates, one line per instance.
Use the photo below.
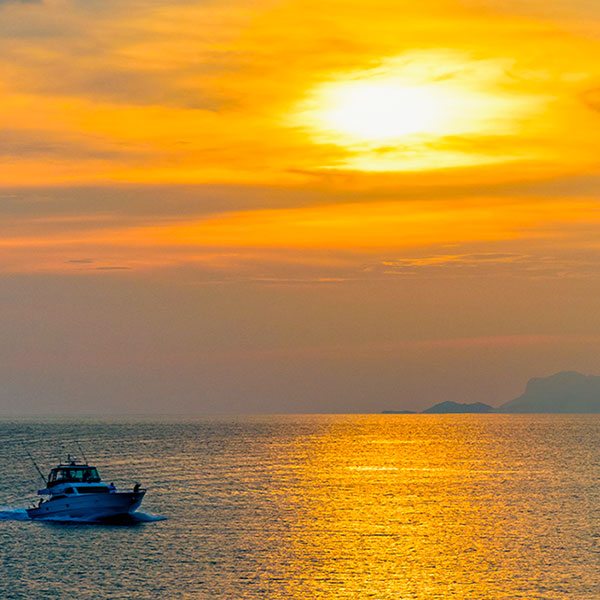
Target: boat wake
(147, 518)
(13, 514)
(20, 514)
(130, 519)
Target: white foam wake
(8, 513)
(147, 518)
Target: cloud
(591, 98)
(456, 259)
(26, 143)
(80, 49)
(106, 205)
(104, 80)
(541, 262)
(113, 268)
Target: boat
(75, 491)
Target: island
(455, 407)
(564, 392)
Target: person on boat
(136, 488)
(111, 488)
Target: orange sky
(389, 150)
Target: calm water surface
(309, 507)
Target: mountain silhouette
(565, 392)
(455, 407)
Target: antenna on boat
(35, 464)
(82, 452)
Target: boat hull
(88, 506)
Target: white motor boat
(75, 491)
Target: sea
(307, 507)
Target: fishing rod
(34, 463)
(82, 452)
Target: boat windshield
(68, 474)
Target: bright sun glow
(383, 111)
(400, 115)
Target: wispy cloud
(543, 261)
(113, 268)
(591, 98)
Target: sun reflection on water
(454, 510)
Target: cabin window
(91, 475)
(92, 489)
(75, 475)
(69, 490)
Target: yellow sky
(219, 92)
(334, 97)
(292, 181)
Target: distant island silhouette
(455, 407)
(564, 392)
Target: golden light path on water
(445, 507)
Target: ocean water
(315, 507)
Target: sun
(381, 111)
(422, 110)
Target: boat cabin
(73, 473)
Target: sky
(292, 206)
